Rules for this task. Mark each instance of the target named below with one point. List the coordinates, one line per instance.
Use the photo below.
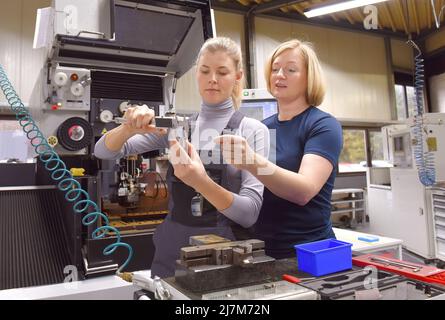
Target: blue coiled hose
(424, 159)
(59, 173)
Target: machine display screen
(259, 109)
(151, 31)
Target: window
(405, 101)
(400, 102)
(411, 100)
(405, 95)
(353, 155)
(357, 154)
(13, 142)
(376, 148)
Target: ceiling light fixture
(338, 6)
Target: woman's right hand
(140, 120)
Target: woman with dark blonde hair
(206, 196)
(297, 198)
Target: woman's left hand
(236, 151)
(187, 165)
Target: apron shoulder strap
(191, 124)
(194, 116)
(235, 120)
(232, 125)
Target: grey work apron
(180, 224)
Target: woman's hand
(187, 165)
(236, 151)
(140, 120)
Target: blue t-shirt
(281, 223)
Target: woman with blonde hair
(297, 198)
(206, 196)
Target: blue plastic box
(324, 257)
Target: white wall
(21, 63)
(187, 98)
(354, 65)
(402, 55)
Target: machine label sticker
(432, 143)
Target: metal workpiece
(206, 239)
(168, 120)
(159, 122)
(395, 263)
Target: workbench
(360, 246)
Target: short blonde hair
(233, 50)
(315, 83)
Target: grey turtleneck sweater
(211, 121)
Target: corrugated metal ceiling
(399, 17)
